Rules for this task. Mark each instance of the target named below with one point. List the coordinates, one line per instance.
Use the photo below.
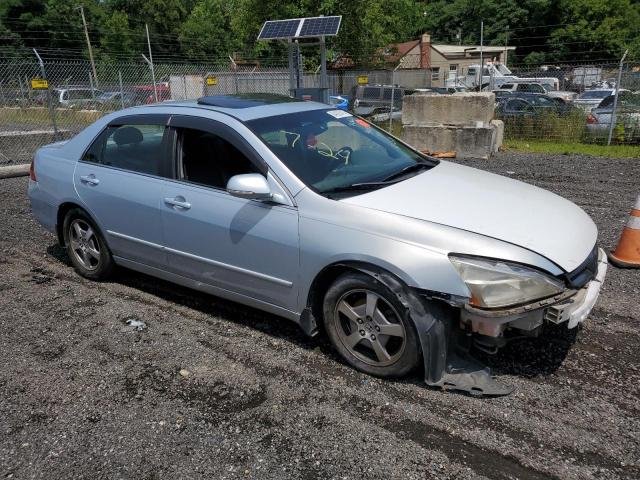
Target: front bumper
(571, 307)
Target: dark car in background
(530, 105)
(366, 100)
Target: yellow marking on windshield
(297, 135)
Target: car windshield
(331, 150)
(594, 94)
(540, 101)
(625, 99)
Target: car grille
(585, 272)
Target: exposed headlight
(496, 283)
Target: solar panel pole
(323, 63)
(291, 71)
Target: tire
(385, 343)
(86, 247)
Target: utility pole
(153, 72)
(481, 64)
(86, 34)
(506, 44)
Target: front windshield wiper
(408, 169)
(357, 186)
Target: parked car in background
(592, 98)
(339, 101)
(317, 216)
(564, 95)
(77, 97)
(531, 87)
(534, 87)
(529, 105)
(627, 122)
(145, 94)
(368, 100)
(115, 100)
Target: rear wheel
(86, 247)
(369, 326)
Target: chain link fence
(74, 99)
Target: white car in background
(590, 99)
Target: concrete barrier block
(466, 109)
(467, 142)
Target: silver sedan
(310, 213)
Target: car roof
(247, 107)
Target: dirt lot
(212, 389)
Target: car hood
(491, 205)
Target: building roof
(462, 49)
(399, 50)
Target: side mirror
(251, 186)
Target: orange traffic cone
(627, 253)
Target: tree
(206, 33)
(116, 38)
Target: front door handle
(178, 202)
(90, 179)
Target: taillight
(591, 119)
(32, 170)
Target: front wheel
(369, 326)
(85, 246)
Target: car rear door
(121, 178)
(244, 246)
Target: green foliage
(560, 128)
(207, 30)
(542, 30)
(568, 148)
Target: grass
(40, 117)
(568, 148)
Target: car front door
(120, 179)
(244, 246)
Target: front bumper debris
(572, 307)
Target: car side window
(208, 159)
(138, 148)
(371, 93)
(517, 105)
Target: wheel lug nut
(377, 328)
(359, 320)
(373, 337)
(362, 332)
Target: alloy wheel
(84, 244)
(369, 327)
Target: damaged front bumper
(571, 307)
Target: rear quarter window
(137, 148)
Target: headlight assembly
(496, 283)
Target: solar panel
(320, 26)
(274, 29)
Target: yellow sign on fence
(212, 81)
(363, 79)
(39, 84)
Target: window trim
(162, 119)
(223, 131)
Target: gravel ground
(212, 389)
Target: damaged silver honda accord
(317, 216)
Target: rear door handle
(178, 202)
(90, 179)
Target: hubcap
(369, 327)
(84, 244)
